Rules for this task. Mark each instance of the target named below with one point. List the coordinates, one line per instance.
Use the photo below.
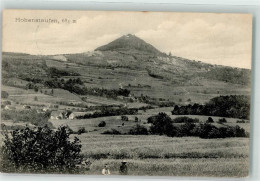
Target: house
(75, 114)
(56, 115)
(6, 107)
(72, 116)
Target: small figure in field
(105, 170)
(123, 168)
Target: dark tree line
(76, 86)
(53, 72)
(162, 124)
(104, 112)
(235, 106)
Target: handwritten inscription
(45, 20)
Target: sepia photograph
(125, 93)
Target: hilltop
(129, 43)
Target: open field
(160, 155)
(115, 122)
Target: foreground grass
(221, 167)
(160, 155)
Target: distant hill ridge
(129, 42)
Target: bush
(124, 118)
(81, 130)
(102, 124)
(136, 119)
(210, 120)
(138, 130)
(7, 103)
(161, 124)
(222, 120)
(113, 131)
(41, 150)
(239, 132)
(4, 94)
(185, 120)
(186, 129)
(241, 121)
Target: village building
(56, 115)
(75, 114)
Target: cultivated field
(160, 155)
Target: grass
(160, 155)
(176, 167)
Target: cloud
(213, 38)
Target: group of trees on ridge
(162, 124)
(235, 106)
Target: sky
(215, 38)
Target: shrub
(222, 120)
(161, 124)
(124, 118)
(241, 121)
(185, 119)
(102, 124)
(203, 130)
(4, 94)
(136, 119)
(186, 129)
(41, 150)
(138, 130)
(210, 120)
(215, 133)
(81, 130)
(113, 131)
(7, 103)
(239, 132)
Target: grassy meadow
(165, 156)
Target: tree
(41, 150)
(102, 124)
(81, 130)
(136, 119)
(222, 120)
(138, 130)
(124, 118)
(210, 120)
(161, 124)
(35, 88)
